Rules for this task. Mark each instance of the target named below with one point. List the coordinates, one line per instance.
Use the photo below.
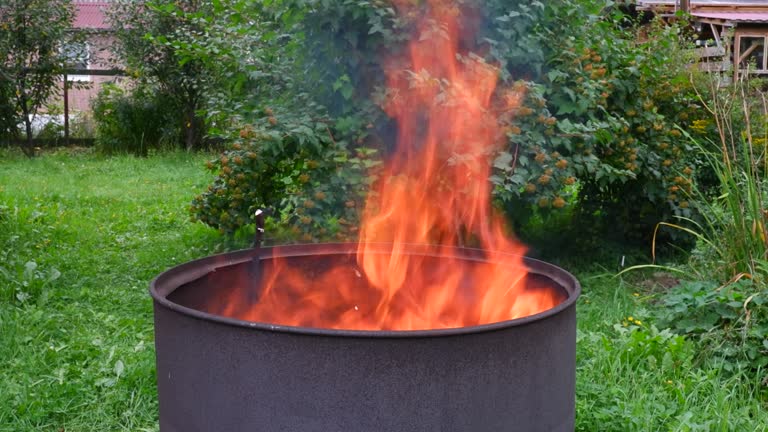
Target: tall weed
(134, 121)
(732, 231)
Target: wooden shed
(734, 33)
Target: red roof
(755, 17)
(90, 15)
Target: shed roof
(706, 5)
(751, 17)
(706, 2)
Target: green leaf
(29, 269)
(105, 382)
(503, 160)
(119, 368)
(53, 274)
(347, 92)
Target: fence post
(66, 111)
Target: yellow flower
(700, 126)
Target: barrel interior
(231, 290)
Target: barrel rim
(171, 279)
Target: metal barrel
(221, 374)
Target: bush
(293, 166)
(284, 151)
(52, 130)
(81, 125)
(134, 121)
(614, 128)
(597, 125)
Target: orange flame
(435, 191)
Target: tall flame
(434, 191)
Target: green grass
(77, 354)
(81, 236)
(634, 377)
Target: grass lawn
(82, 235)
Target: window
(77, 56)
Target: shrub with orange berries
(273, 169)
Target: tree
(143, 28)
(8, 124)
(32, 33)
(248, 50)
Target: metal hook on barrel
(259, 235)
(254, 268)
